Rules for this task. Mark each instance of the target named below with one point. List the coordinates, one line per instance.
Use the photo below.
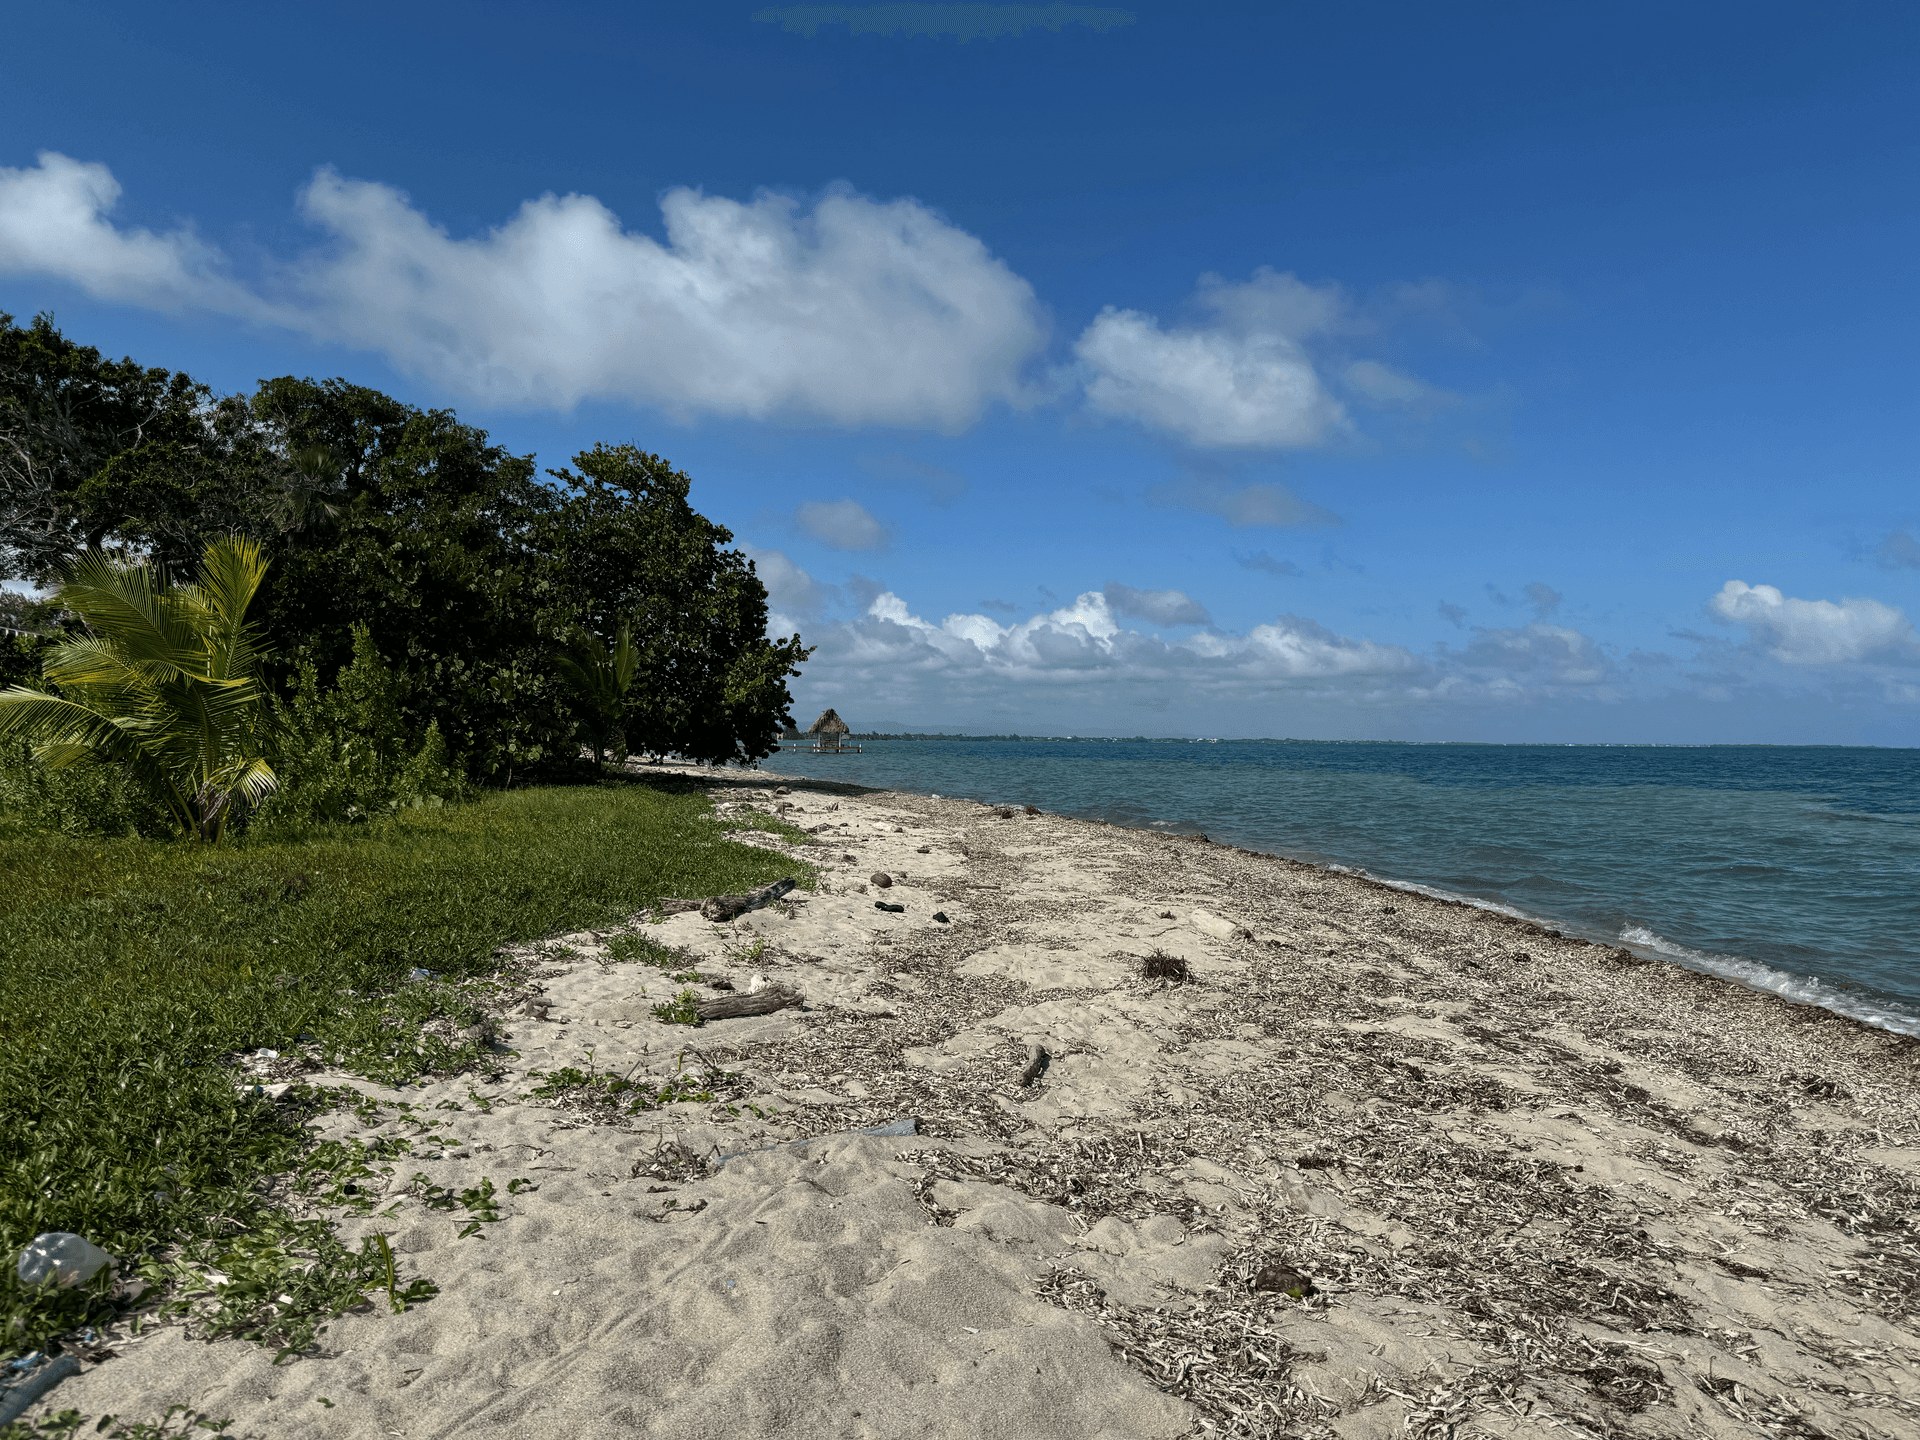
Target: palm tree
(600, 678)
(165, 682)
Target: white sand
(1560, 1194)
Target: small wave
(1451, 896)
(1806, 989)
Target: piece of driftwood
(774, 997)
(729, 907)
(1036, 1062)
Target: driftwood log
(729, 907)
(774, 997)
(1036, 1062)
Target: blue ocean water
(1793, 869)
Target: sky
(1489, 372)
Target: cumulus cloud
(1242, 379)
(1815, 632)
(1163, 607)
(1253, 373)
(849, 310)
(52, 222)
(843, 524)
(1454, 615)
(1085, 639)
(1262, 505)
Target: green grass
(131, 971)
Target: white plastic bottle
(71, 1259)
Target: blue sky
(1498, 372)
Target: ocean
(1792, 869)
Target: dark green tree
(96, 452)
(622, 543)
(467, 570)
(66, 412)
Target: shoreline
(1355, 1161)
(1894, 1014)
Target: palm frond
(625, 658)
(231, 573)
(129, 605)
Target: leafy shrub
(81, 800)
(347, 754)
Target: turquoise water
(1794, 869)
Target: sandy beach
(1300, 1155)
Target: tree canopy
(467, 569)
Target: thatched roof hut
(829, 723)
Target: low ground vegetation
(139, 974)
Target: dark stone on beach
(924, 850)
(1282, 1280)
(940, 917)
(1006, 814)
(782, 790)
(1521, 957)
(880, 879)
(1033, 809)
(1166, 914)
(1162, 966)
(717, 983)
(890, 909)
(1388, 910)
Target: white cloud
(1252, 374)
(52, 222)
(843, 524)
(1083, 645)
(1815, 632)
(853, 311)
(1163, 607)
(1210, 387)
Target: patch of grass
(133, 971)
(683, 1009)
(600, 1088)
(177, 1422)
(632, 948)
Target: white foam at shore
(1802, 989)
(1805, 989)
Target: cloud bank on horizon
(1082, 660)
